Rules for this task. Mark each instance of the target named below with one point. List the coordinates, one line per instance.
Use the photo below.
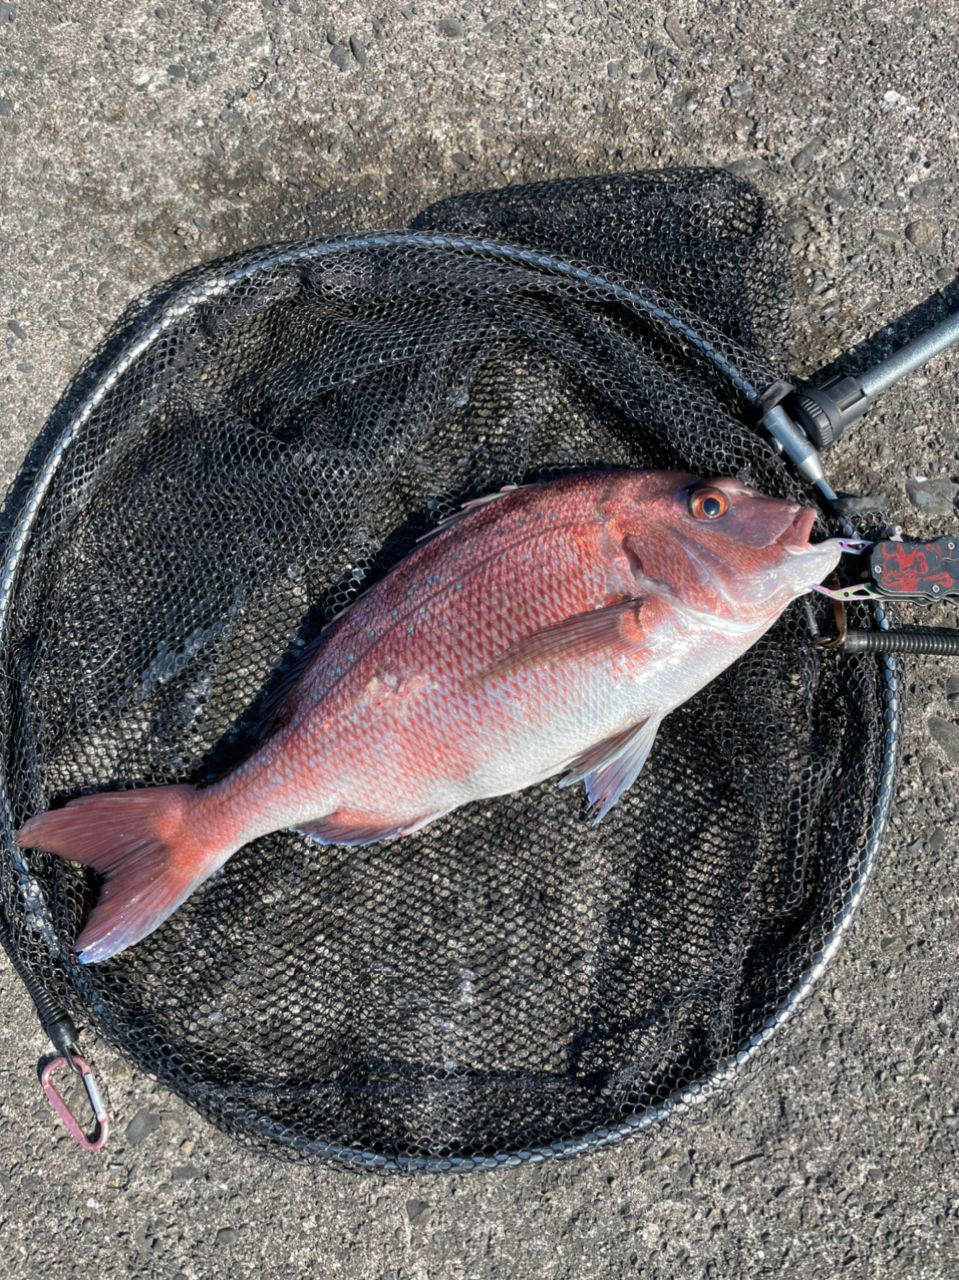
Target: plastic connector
(825, 412)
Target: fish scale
(543, 630)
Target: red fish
(544, 630)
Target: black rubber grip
(939, 642)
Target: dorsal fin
(273, 710)
(448, 521)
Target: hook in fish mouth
(846, 595)
(849, 546)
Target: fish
(541, 631)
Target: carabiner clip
(96, 1140)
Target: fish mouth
(795, 537)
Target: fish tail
(149, 845)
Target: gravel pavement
(136, 138)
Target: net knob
(825, 412)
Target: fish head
(723, 548)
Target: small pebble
(176, 71)
(930, 768)
(676, 32)
(142, 1125)
(17, 329)
(358, 50)
(739, 90)
(804, 158)
(749, 168)
(340, 57)
(796, 228)
(840, 196)
(226, 1235)
(929, 192)
(187, 1147)
(946, 734)
(932, 497)
(417, 1211)
(8, 12)
(452, 27)
(185, 1173)
(925, 234)
(6, 107)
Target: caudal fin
(147, 846)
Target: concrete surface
(138, 137)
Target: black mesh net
(255, 443)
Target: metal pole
(911, 357)
(824, 412)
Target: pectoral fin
(611, 767)
(607, 632)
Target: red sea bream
(545, 630)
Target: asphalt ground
(138, 138)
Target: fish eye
(708, 504)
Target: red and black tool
(925, 571)
(914, 571)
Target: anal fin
(350, 827)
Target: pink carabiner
(96, 1140)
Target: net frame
(145, 325)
